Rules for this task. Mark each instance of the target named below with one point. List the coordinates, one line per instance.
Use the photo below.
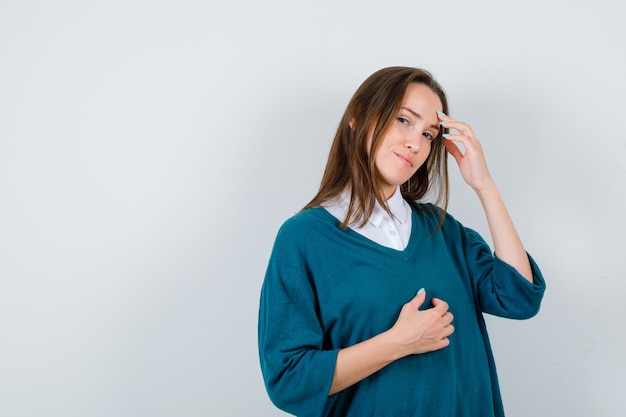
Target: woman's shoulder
(307, 221)
(425, 208)
(302, 233)
(306, 217)
(430, 211)
(436, 217)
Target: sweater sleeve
(298, 373)
(499, 289)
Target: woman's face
(406, 145)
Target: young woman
(373, 298)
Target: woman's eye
(403, 120)
(428, 136)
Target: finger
(459, 137)
(470, 145)
(443, 116)
(439, 304)
(418, 300)
(445, 342)
(447, 331)
(461, 127)
(450, 123)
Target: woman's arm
(416, 331)
(507, 243)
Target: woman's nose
(413, 142)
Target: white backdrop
(150, 150)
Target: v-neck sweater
(328, 288)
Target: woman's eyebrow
(417, 115)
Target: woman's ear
(352, 123)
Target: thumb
(453, 149)
(418, 300)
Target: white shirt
(392, 232)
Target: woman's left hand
(472, 163)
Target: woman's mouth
(405, 160)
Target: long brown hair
(351, 165)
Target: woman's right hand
(415, 331)
(419, 331)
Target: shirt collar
(398, 207)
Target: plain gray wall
(149, 151)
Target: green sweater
(327, 289)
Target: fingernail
(443, 122)
(440, 113)
(420, 291)
(446, 135)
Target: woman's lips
(405, 160)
